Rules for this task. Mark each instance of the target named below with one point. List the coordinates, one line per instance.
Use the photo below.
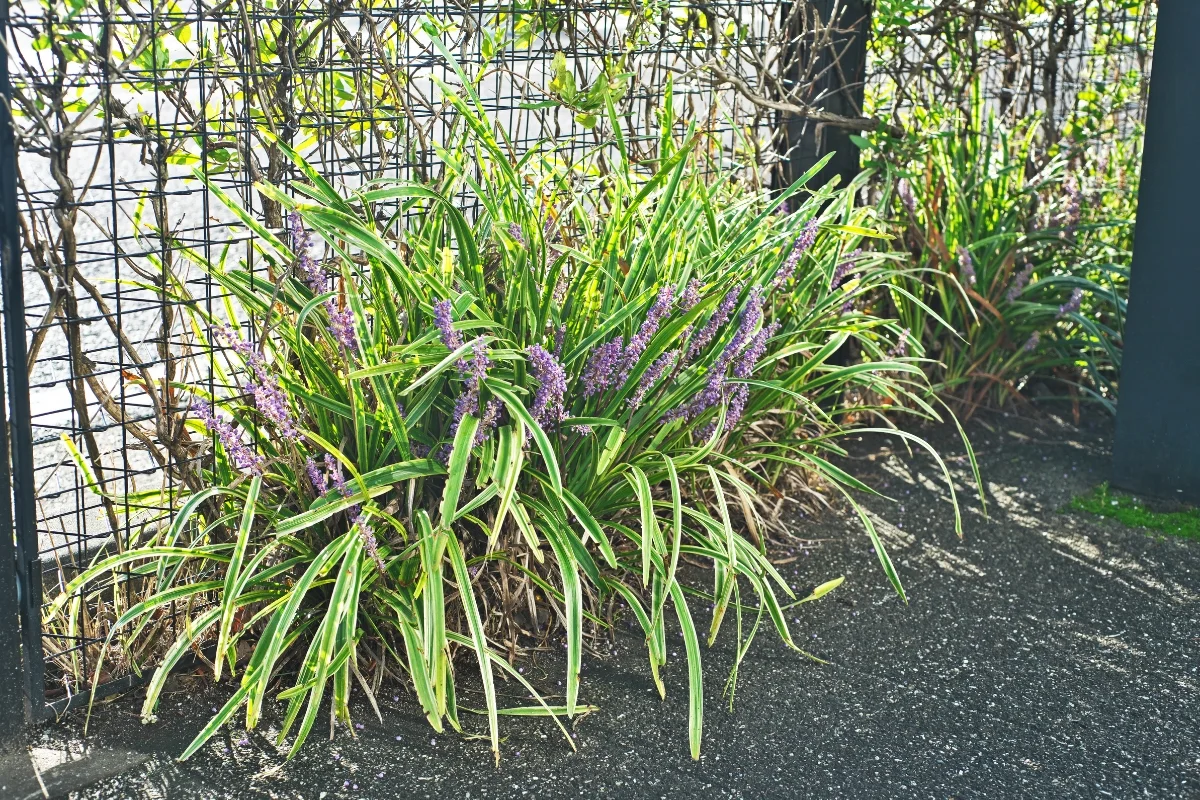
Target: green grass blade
(695, 674)
(479, 641)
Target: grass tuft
(1133, 513)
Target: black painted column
(1157, 450)
(20, 666)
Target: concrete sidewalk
(1047, 654)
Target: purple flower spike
(316, 477)
(904, 190)
(1032, 342)
(659, 311)
(244, 459)
(370, 543)
(552, 386)
(601, 367)
(844, 271)
(754, 351)
(268, 397)
(491, 415)
(737, 405)
(901, 348)
(1074, 203)
(560, 335)
(1019, 282)
(341, 325)
(443, 318)
(306, 266)
(1072, 305)
(334, 468)
(514, 230)
(474, 370)
(652, 376)
(966, 265)
(714, 390)
(803, 242)
(690, 296)
(715, 322)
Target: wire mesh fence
(1071, 66)
(120, 110)
(132, 117)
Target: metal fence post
(1157, 450)
(19, 444)
(12, 692)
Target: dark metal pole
(12, 692)
(840, 90)
(20, 439)
(1157, 449)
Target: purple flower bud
(491, 415)
(690, 296)
(713, 391)
(737, 404)
(552, 386)
(901, 347)
(341, 325)
(514, 230)
(560, 335)
(474, 370)
(844, 271)
(1074, 203)
(652, 375)
(966, 265)
(243, 458)
(601, 368)
(803, 242)
(443, 318)
(317, 478)
(264, 388)
(367, 534)
(1072, 305)
(1019, 282)
(715, 322)
(637, 345)
(904, 190)
(334, 469)
(306, 266)
(1032, 343)
(754, 351)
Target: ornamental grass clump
(1013, 283)
(447, 440)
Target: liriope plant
(1010, 275)
(435, 425)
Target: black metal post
(12, 692)
(838, 90)
(20, 439)
(1157, 449)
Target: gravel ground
(1046, 654)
